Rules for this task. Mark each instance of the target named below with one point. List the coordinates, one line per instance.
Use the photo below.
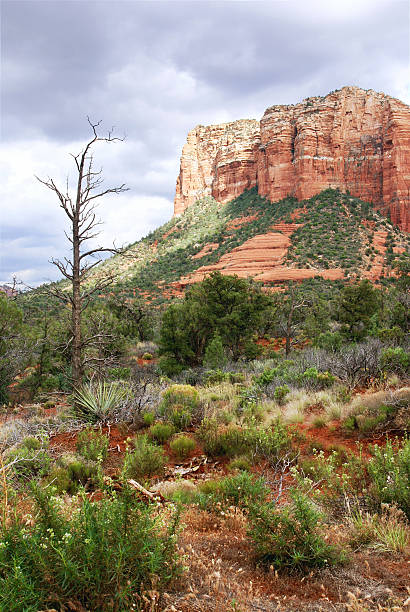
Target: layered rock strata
(352, 139)
(262, 258)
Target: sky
(155, 70)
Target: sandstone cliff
(353, 139)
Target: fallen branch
(156, 497)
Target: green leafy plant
(389, 470)
(92, 445)
(280, 393)
(96, 402)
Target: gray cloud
(155, 70)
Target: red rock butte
(353, 139)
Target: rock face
(352, 139)
(217, 160)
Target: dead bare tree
(79, 206)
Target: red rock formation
(352, 139)
(261, 258)
(218, 160)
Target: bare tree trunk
(80, 210)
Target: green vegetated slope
(331, 235)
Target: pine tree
(214, 353)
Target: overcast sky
(155, 70)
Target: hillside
(332, 235)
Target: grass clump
(161, 432)
(241, 464)
(240, 490)
(144, 460)
(256, 442)
(182, 446)
(388, 531)
(184, 395)
(104, 556)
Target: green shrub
(280, 393)
(161, 432)
(104, 556)
(236, 377)
(290, 537)
(183, 395)
(148, 419)
(169, 366)
(395, 360)
(330, 341)
(95, 402)
(261, 442)
(29, 460)
(144, 460)
(73, 471)
(242, 490)
(33, 443)
(182, 446)
(350, 423)
(214, 356)
(147, 356)
(214, 377)
(341, 476)
(178, 404)
(267, 376)
(180, 417)
(119, 373)
(92, 445)
(240, 464)
(318, 380)
(389, 470)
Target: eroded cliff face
(217, 160)
(352, 139)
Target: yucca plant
(96, 401)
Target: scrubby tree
(357, 304)
(136, 316)
(15, 346)
(227, 305)
(214, 353)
